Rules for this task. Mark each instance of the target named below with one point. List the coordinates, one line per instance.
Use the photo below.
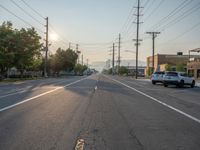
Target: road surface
(101, 112)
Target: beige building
(161, 60)
(193, 66)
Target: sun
(53, 36)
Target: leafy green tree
(18, 48)
(168, 67)
(180, 67)
(6, 42)
(149, 71)
(27, 48)
(123, 70)
(63, 60)
(79, 69)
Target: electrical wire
(154, 10)
(20, 18)
(171, 14)
(27, 13)
(150, 5)
(184, 33)
(181, 17)
(33, 9)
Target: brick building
(161, 60)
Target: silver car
(178, 78)
(157, 77)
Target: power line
(62, 39)
(27, 13)
(145, 4)
(171, 14)
(154, 10)
(20, 18)
(182, 34)
(147, 8)
(128, 20)
(33, 9)
(181, 17)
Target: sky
(96, 24)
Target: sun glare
(53, 36)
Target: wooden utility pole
(47, 46)
(113, 60)
(77, 53)
(154, 35)
(119, 48)
(137, 37)
(82, 59)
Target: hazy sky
(95, 24)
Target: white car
(178, 78)
(157, 77)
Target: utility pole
(87, 62)
(119, 47)
(137, 36)
(113, 60)
(47, 46)
(77, 53)
(154, 35)
(69, 45)
(82, 59)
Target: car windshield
(172, 74)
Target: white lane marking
(156, 100)
(45, 93)
(22, 90)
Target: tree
(63, 60)
(18, 48)
(6, 51)
(79, 69)
(123, 70)
(180, 68)
(27, 48)
(168, 67)
(149, 71)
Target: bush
(123, 70)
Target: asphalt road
(107, 113)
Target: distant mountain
(132, 62)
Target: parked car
(157, 77)
(178, 78)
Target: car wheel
(153, 82)
(193, 84)
(181, 84)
